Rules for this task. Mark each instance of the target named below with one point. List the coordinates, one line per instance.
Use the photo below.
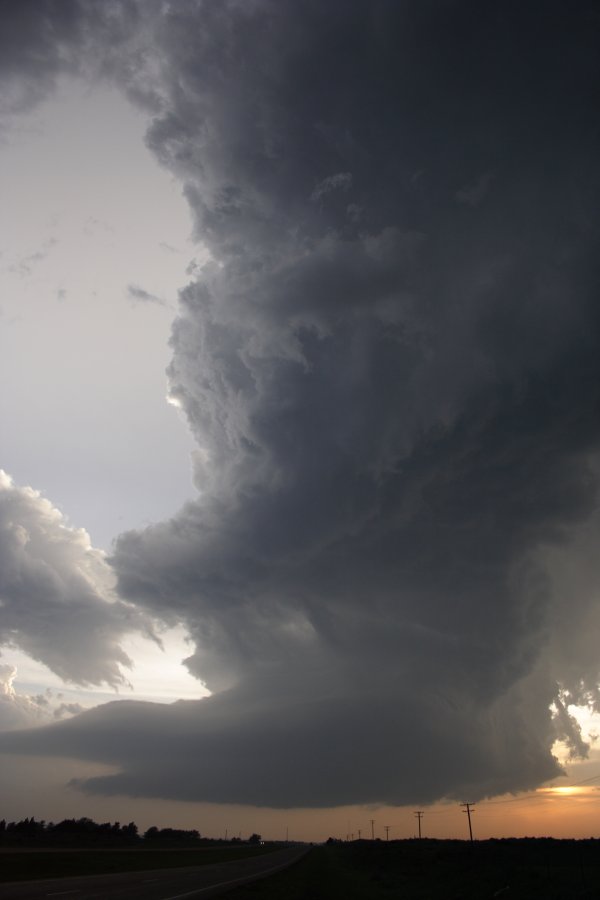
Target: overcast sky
(361, 239)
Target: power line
(468, 808)
(538, 796)
(584, 781)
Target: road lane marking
(63, 893)
(212, 887)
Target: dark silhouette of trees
(84, 832)
(71, 832)
(171, 836)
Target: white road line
(212, 887)
(63, 893)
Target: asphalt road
(155, 884)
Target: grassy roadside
(434, 871)
(26, 865)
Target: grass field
(24, 865)
(363, 870)
(448, 870)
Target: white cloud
(23, 710)
(56, 592)
(16, 710)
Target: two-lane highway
(156, 884)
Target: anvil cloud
(391, 367)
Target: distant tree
(254, 839)
(172, 835)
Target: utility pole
(359, 834)
(419, 815)
(468, 808)
(372, 829)
(387, 832)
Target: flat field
(24, 865)
(428, 870)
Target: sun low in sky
(300, 386)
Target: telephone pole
(468, 808)
(372, 829)
(387, 832)
(419, 815)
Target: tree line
(82, 832)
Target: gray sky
(84, 345)
(385, 347)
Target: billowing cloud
(19, 710)
(67, 709)
(395, 399)
(56, 592)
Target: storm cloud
(391, 368)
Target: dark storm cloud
(36, 44)
(293, 749)
(42, 40)
(391, 367)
